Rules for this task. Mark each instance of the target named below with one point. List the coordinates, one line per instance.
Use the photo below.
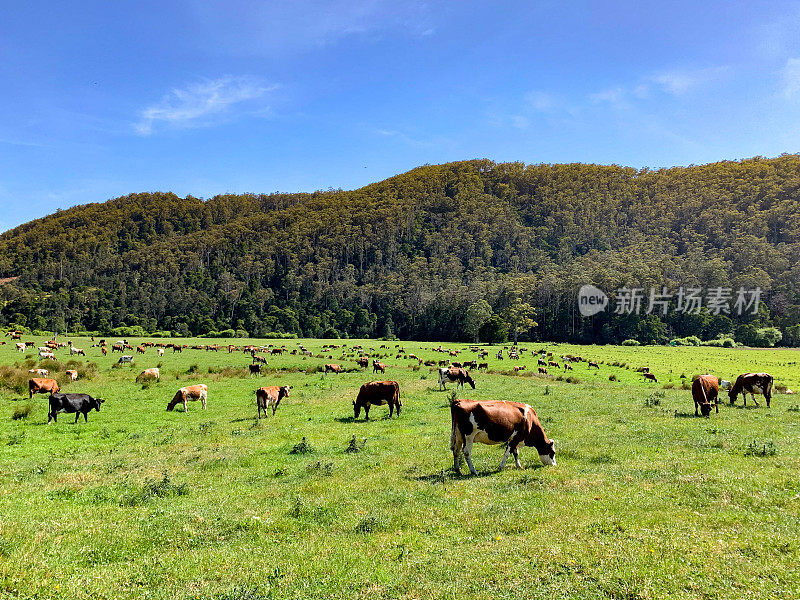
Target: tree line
(472, 250)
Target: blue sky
(101, 99)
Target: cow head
(705, 409)
(97, 403)
(356, 409)
(469, 380)
(732, 395)
(548, 457)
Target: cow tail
(454, 424)
(397, 394)
(768, 390)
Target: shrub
(631, 343)
(691, 340)
(22, 412)
(302, 448)
(758, 448)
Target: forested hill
(415, 255)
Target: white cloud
(791, 78)
(197, 105)
(541, 101)
(612, 95)
(680, 81)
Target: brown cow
(650, 377)
(377, 393)
(497, 422)
(378, 366)
(752, 383)
(332, 368)
(363, 362)
(593, 364)
(104, 350)
(542, 371)
(452, 374)
(270, 396)
(705, 390)
(140, 349)
(190, 392)
(153, 373)
(72, 374)
(42, 386)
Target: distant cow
(378, 366)
(47, 356)
(117, 348)
(542, 371)
(190, 392)
(104, 350)
(39, 372)
(650, 377)
(493, 422)
(752, 383)
(73, 351)
(363, 362)
(153, 373)
(125, 359)
(254, 369)
(377, 393)
(451, 375)
(332, 368)
(72, 374)
(80, 404)
(593, 364)
(542, 363)
(42, 386)
(519, 368)
(140, 349)
(483, 366)
(21, 347)
(270, 396)
(160, 351)
(705, 391)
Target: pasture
(646, 500)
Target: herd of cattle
(486, 422)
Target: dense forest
(467, 250)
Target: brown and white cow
(377, 393)
(190, 392)
(752, 383)
(270, 396)
(705, 392)
(153, 373)
(42, 386)
(73, 351)
(72, 374)
(21, 347)
(332, 368)
(650, 377)
(453, 374)
(497, 422)
(39, 372)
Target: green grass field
(646, 501)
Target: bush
(691, 340)
(720, 343)
(22, 412)
(631, 343)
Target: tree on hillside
(477, 314)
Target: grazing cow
(117, 348)
(104, 350)
(254, 369)
(21, 347)
(47, 356)
(125, 359)
(73, 351)
(542, 371)
(153, 373)
(39, 372)
(705, 391)
(552, 363)
(42, 386)
(160, 351)
(724, 384)
(190, 392)
(593, 364)
(363, 362)
(270, 396)
(140, 349)
(332, 368)
(72, 374)
(650, 377)
(483, 366)
(377, 393)
(472, 364)
(752, 383)
(457, 365)
(541, 362)
(80, 404)
(567, 366)
(450, 375)
(497, 422)
(378, 366)
(519, 368)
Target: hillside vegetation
(409, 256)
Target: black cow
(72, 403)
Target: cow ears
(553, 445)
(291, 387)
(100, 400)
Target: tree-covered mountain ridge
(411, 255)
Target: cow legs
(185, 406)
(754, 399)
(515, 452)
(366, 411)
(468, 454)
(77, 414)
(85, 417)
(505, 458)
